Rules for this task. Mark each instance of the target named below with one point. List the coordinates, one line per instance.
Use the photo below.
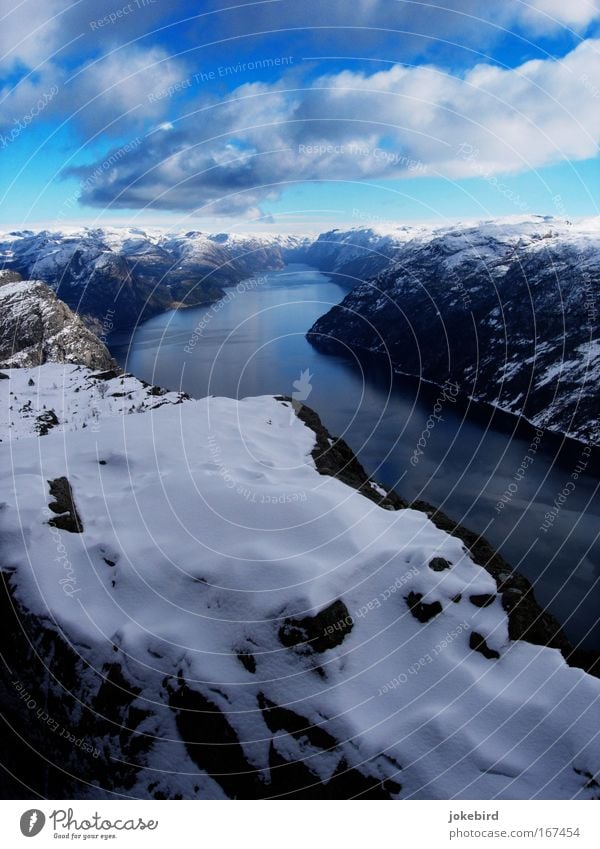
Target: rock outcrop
(36, 327)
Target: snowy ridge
(238, 596)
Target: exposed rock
(116, 277)
(59, 740)
(69, 397)
(68, 518)
(36, 327)
(478, 643)
(503, 309)
(527, 620)
(483, 600)
(438, 564)
(325, 630)
(247, 660)
(282, 719)
(421, 610)
(333, 456)
(46, 421)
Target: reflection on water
(253, 343)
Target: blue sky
(281, 115)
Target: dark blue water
(253, 343)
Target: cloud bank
(228, 157)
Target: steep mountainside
(35, 326)
(195, 611)
(128, 274)
(506, 309)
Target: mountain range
(506, 308)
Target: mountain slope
(35, 326)
(505, 309)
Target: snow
(194, 503)
(19, 287)
(584, 370)
(73, 394)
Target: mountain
(35, 326)
(119, 276)
(210, 599)
(505, 309)
(352, 255)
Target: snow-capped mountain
(200, 602)
(131, 274)
(506, 309)
(352, 255)
(35, 326)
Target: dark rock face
(46, 421)
(439, 564)
(121, 714)
(526, 619)
(60, 742)
(352, 255)
(421, 610)
(334, 457)
(478, 643)
(509, 320)
(213, 745)
(7, 276)
(282, 719)
(247, 660)
(67, 518)
(36, 327)
(326, 630)
(483, 600)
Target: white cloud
(111, 95)
(547, 15)
(405, 121)
(30, 32)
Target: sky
(293, 116)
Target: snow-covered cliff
(195, 611)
